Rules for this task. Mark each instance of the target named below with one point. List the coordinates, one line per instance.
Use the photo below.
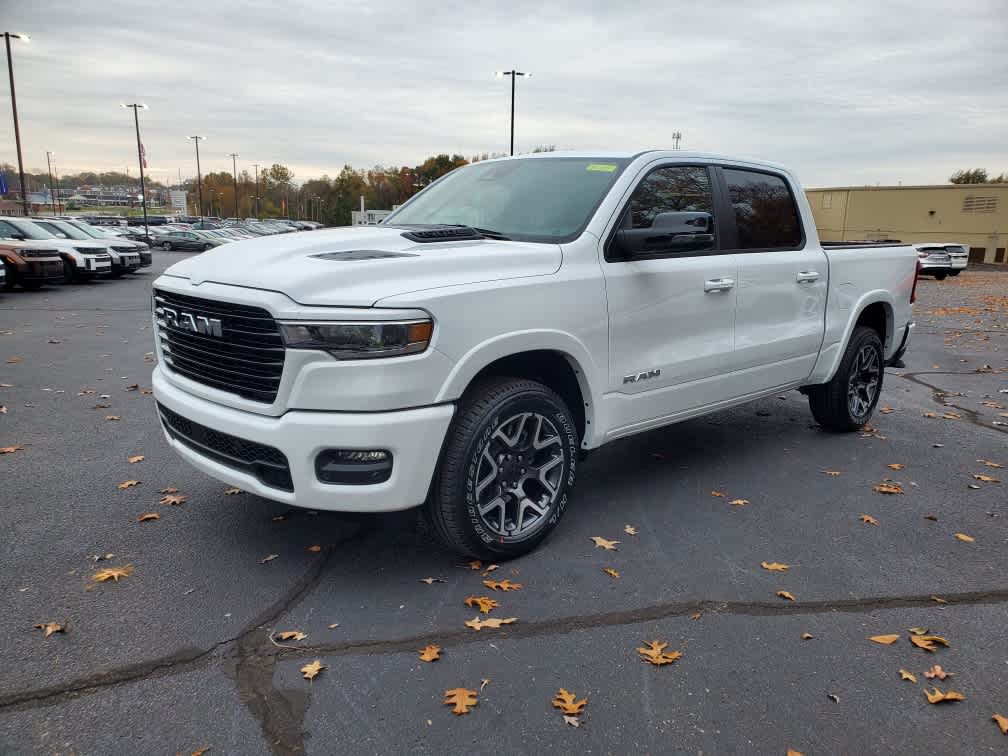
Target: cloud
(860, 92)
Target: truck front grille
(266, 463)
(230, 347)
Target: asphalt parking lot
(181, 653)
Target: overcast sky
(862, 91)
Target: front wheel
(166, 246)
(207, 247)
(69, 272)
(506, 469)
(940, 276)
(954, 272)
(848, 400)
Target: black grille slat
(267, 463)
(247, 359)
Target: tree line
(977, 176)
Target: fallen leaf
(919, 631)
(310, 671)
(696, 615)
(937, 671)
(490, 568)
(775, 566)
(965, 538)
(868, 520)
(718, 494)
(485, 603)
(933, 518)
(575, 722)
(462, 699)
(200, 751)
(938, 600)
(896, 466)
(168, 490)
(268, 558)
(928, 414)
(654, 653)
(113, 418)
(430, 653)
(602, 543)
(611, 572)
(807, 636)
(3, 409)
(567, 702)
(477, 565)
(10, 449)
(937, 696)
(147, 516)
(1002, 723)
(315, 549)
(289, 635)
(832, 473)
(904, 675)
(112, 573)
(988, 463)
(128, 484)
(927, 642)
(630, 530)
(739, 502)
(985, 478)
(888, 488)
(173, 499)
(15, 360)
(483, 683)
(135, 458)
(334, 625)
(793, 752)
(232, 491)
(885, 640)
(133, 387)
(502, 585)
(886, 410)
(102, 405)
(951, 416)
(785, 595)
(146, 392)
(492, 622)
(48, 628)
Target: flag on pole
(143, 155)
(3, 184)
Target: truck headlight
(360, 340)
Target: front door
(672, 310)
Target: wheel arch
(874, 310)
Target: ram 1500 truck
(516, 313)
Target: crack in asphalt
(972, 416)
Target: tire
(940, 276)
(954, 272)
(166, 246)
(503, 427)
(207, 247)
(10, 276)
(832, 404)
(33, 285)
(69, 272)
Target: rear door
(672, 309)
(782, 280)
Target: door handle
(718, 284)
(808, 276)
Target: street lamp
(199, 176)
(234, 173)
(52, 188)
(514, 75)
(136, 107)
(17, 130)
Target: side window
(669, 190)
(765, 211)
(7, 231)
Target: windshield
(91, 231)
(529, 199)
(66, 229)
(30, 230)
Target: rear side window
(765, 211)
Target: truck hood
(357, 266)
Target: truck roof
(627, 154)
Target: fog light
(353, 467)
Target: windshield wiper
(490, 234)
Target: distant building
(368, 217)
(973, 214)
(178, 201)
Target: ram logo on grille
(186, 321)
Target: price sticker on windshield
(601, 167)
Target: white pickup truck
(465, 353)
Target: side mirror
(681, 231)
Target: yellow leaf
(990, 464)
(492, 622)
(832, 473)
(611, 572)
(169, 490)
(739, 502)
(938, 600)
(146, 516)
(985, 478)
(289, 635)
(937, 696)
(965, 538)
(128, 484)
(567, 702)
(232, 491)
(48, 628)
(502, 585)
(918, 631)
(937, 671)
(1002, 722)
(200, 751)
(886, 410)
(112, 418)
(654, 653)
(718, 494)
(310, 671)
(10, 449)
(173, 499)
(885, 640)
(135, 458)
(868, 519)
(315, 549)
(462, 699)
(888, 488)
(430, 653)
(793, 752)
(785, 595)
(904, 675)
(807, 636)
(113, 574)
(630, 530)
(895, 466)
(927, 642)
(602, 543)
(775, 566)
(485, 603)
(951, 416)
(334, 625)
(476, 565)
(929, 414)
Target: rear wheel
(10, 273)
(166, 246)
(940, 276)
(848, 400)
(954, 272)
(506, 469)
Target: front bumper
(42, 271)
(145, 258)
(413, 437)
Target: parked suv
(81, 259)
(121, 244)
(29, 263)
(939, 259)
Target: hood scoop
(356, 255)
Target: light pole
(136, 107)
(234, 173)
(199, 176)
(257, 189)
(17, 130)
(514, 74)
(52, 187)
(676, 136)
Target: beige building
(972, 214)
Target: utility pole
(17, 129)
(234, 173)
(257, 189)
(52, 187)
(676, 136)
(137, 107)
(514, 74)
(199, 175)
